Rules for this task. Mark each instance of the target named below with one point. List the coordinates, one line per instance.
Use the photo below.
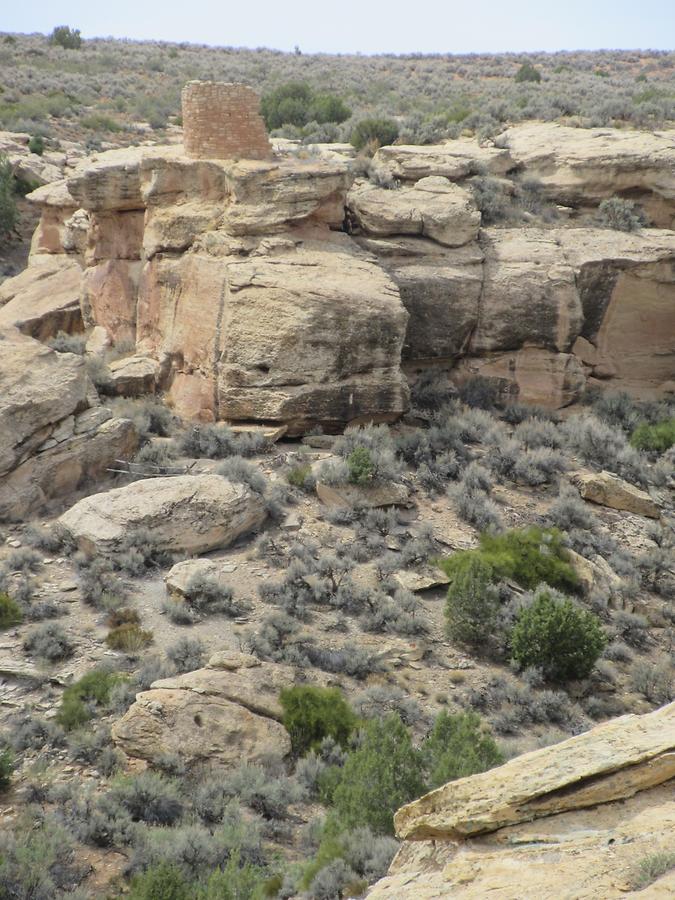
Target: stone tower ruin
(223, 121)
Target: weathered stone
(371, 496)
(454, 160)
(133, 376)
(57, 468)
(609, 490)
(434, 207)
(529, 293)
(180, 575)
(611, 762)
(39, 388)
(581, 167)
(412, 580)
(224, 714)
(186, 513)
(531, 375)
(109, 297)
(109, 181)
(304, 335)
(44, 299)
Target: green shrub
(301, 477)
(10, 612)
(457, 746)
(361, 467)
(472, 607)
(529, 556)
(374, 131)
(659, 437)
(557, 636)
(527, 73)
(6, 767)
(383, 774)
(652, 867)
(128, 637)
(93, 689)
(162, 882)
(37, 144)
(313, 713)
(8, 211)
(66, 37)
(295, 103)
(620, 214)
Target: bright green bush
(295, 103)
(557, 636)
(659, 437)
(458, 746)
(472, 607)
(37, 144)
(529, 556)
(161, 882)
(10, 612)
(361, 466)
(312, 713)
(66, 37)
(379, 131)
(383, 774)
(93, 689)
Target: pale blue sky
(368, 26)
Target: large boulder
(224, 714)
(185, 513)
(40, 388)
(581, 167)
(44, 299)
(575, 819)
(295, 333)
(455, 160)
(53, 436)
(434, 208)
(609, 490)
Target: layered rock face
(288, 290)
(54, 435)
(571, 820)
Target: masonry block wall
(222, 121)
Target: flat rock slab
(391, 494)
(609, 490)
(611, 762)
(186, 513)
(180, 575)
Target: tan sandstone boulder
(609, 490)
(571, 820)
(455, 160)
(186, 513)
(44, 299)
(180, 575)
(53, 436)
(225, 714)
(435, 208)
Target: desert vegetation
(59, 85)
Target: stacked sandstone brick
(222, 121)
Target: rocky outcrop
(236, 278)
(580, 167)
(44, 299)
(185, 513)
(573, 819)
(225, 714)
(609, 490)
(434, 207)
(53, 435)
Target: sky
(366, 26)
